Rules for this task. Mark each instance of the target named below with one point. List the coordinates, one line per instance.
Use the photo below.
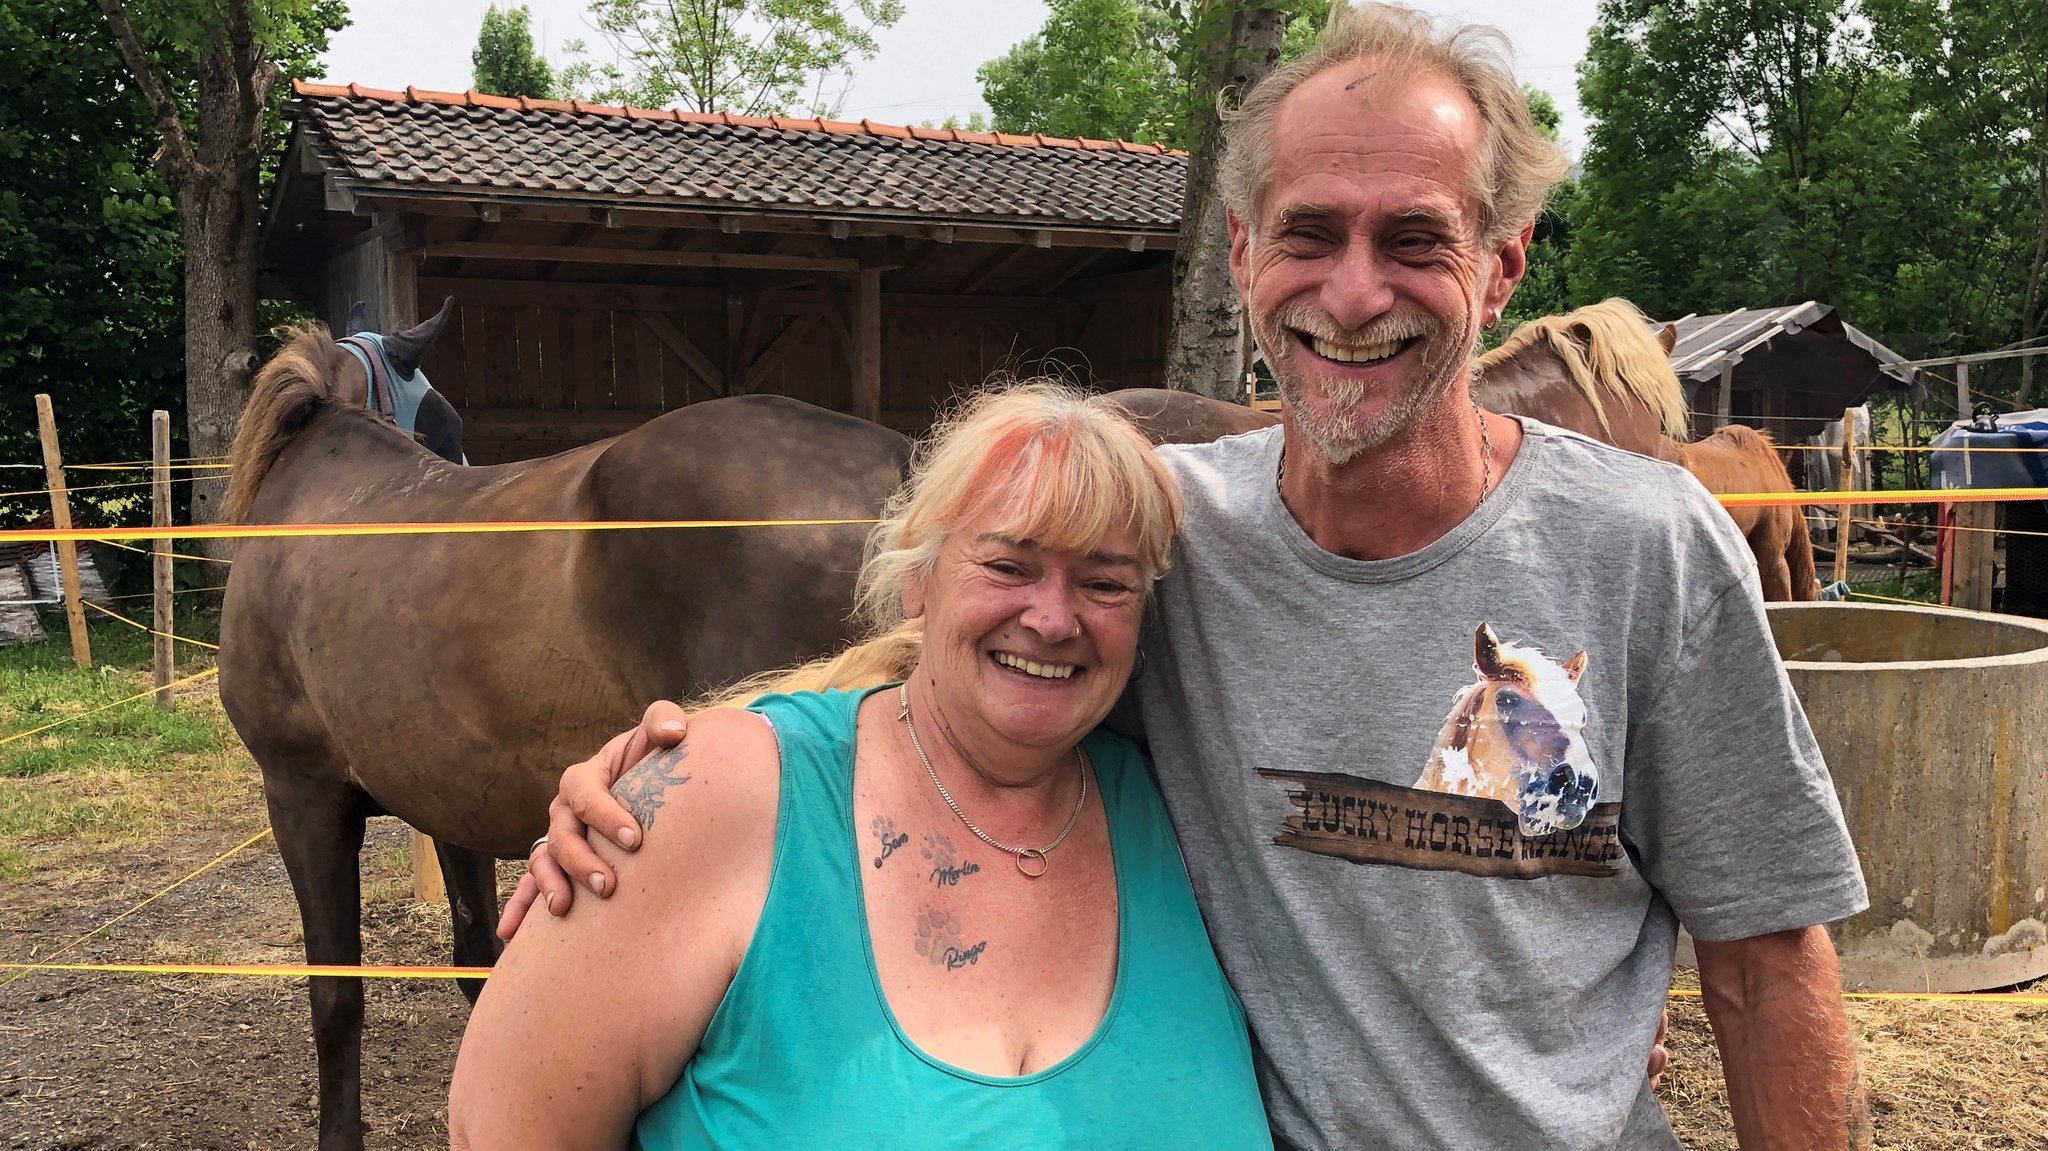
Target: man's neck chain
(1485, 460)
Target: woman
(945, 913)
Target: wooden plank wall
(359, 271)
(540, 367)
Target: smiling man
(1459, 716)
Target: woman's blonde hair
(1036, 460)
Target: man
(1450, 906)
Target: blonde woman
(945, 912)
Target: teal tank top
(804, 1052)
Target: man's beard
(1340, 429)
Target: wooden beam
(1066, 270)
(637, 257)
(685, 349)
(556, 294)
(1002, 261)
(777, 348)
(922, 259)
(402, 260)
(540, 208)
(867, 343)
(839, 315)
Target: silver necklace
(1485, 460)
(1025, 855)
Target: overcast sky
(925, 69)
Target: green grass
(125, 776)
(1923, 586)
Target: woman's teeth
(1364, 355)
(1041, 670)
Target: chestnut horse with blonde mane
(1608, 349)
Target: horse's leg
(472, 881)
(318, 821)
(1769, 545)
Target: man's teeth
(1344, 355)
(1041, 670)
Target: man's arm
(1775, 1002)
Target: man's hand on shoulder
(585, 801)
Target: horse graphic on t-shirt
(1518, 736)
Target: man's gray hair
(1517, 165)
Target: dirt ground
(220, 1064)
(226, 1064)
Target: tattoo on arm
(644, 789)
(940, 942)
(885, 831)
(947, 868)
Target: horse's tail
(289, 389)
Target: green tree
(504, 62)
(752, 57)
(1545, 289)
(1123, 69)
(88, 245)
(1742, 153)
(1976, 180)
(211, 73)
(1099, 68)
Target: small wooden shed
(609, 264)
(1786, 370)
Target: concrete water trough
(1935, 725)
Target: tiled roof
(461, 142)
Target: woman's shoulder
(716, 792)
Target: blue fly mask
(391, 365)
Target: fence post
(427, 884)
(1973, 556)
(160, 561)
(60, 514)
(1842, 513)
(1963, 393)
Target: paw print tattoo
(885, 831)
(938, 851)
(939, 941)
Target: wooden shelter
(1786, 370)
(609, 264)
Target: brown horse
(1741, 459)
(445, 679)
(1559, 368)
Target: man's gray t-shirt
(1439, 852)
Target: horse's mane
(1620, 357)
(289, 389)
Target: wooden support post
(427, 884)
(1973, 556)
(160, 562)
(1963, 392)
(1724, 403)
(60, 513)
(867, 344)
(1842, 520)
